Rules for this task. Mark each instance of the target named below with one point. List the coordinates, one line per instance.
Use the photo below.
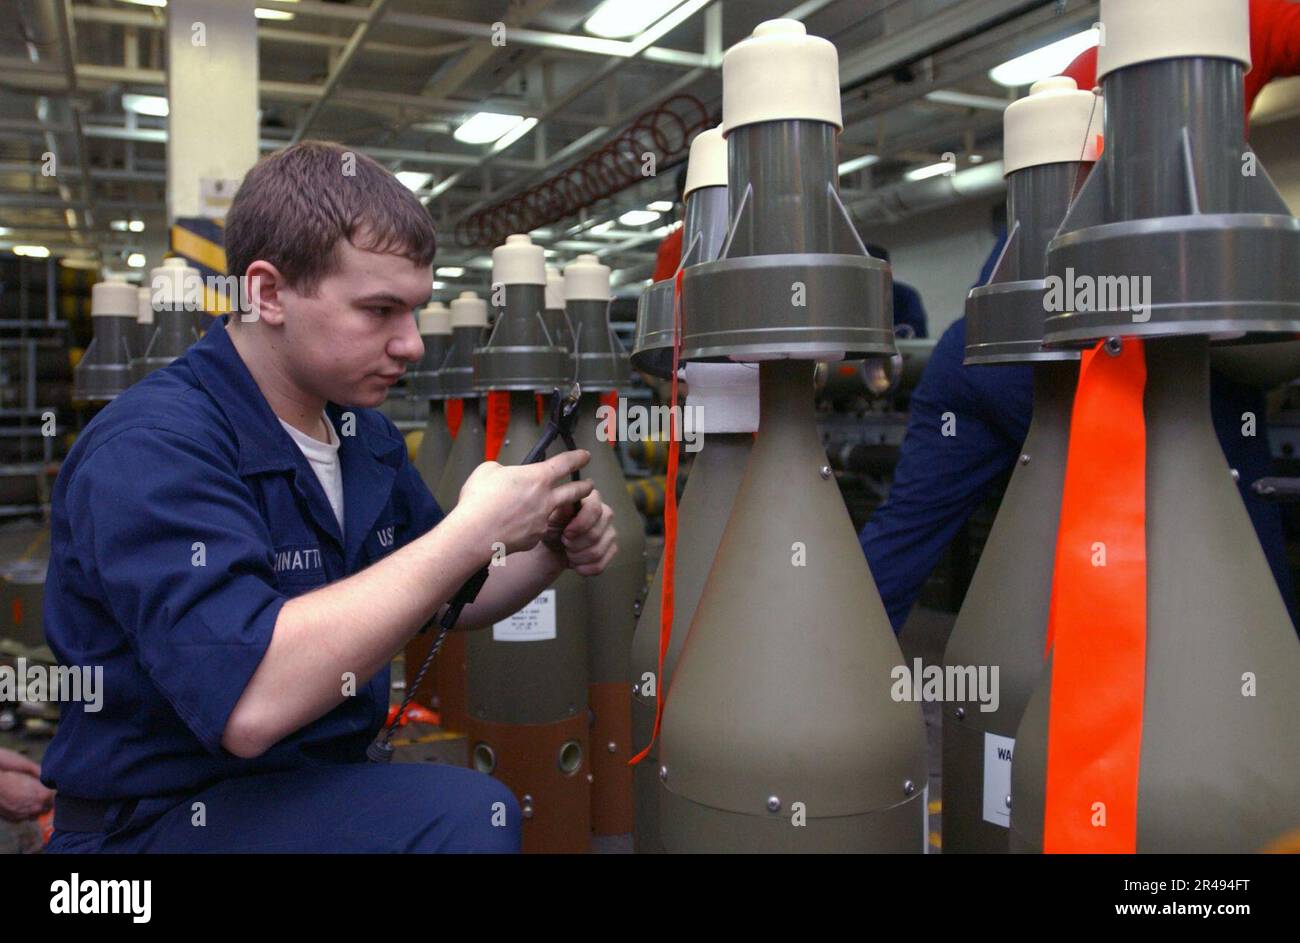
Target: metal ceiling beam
(928, 34)
(564, 42)
(272, 34)
(644, 41)
(450, 79)
(159, 136)
(1027, 33)
(97, 78)
(359, 36)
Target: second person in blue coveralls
(241, 542)
(940, 480)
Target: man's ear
(265, 292)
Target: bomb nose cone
(468, 310)
(586, 279)
(435, 318)
(519, 262)
(780, 73)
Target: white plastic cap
(518, 262)
(778, 74)
(1056, 123)
(169, 282)
(554, 288)
(114, 298)
(435, 318)
(586, 279)
(708, 161)
(1150, 30)
(144, 313)
(468, 310)
(722, 397)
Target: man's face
(352, 339)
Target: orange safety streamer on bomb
(498, 418)
(1096, 632)
(670, 525)
(454, 410)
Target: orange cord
(670, 525)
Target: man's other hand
(586, 536)
(22, 796)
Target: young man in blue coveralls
(242, 544)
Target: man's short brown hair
(297, 203)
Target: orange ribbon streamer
(498, 418)
(454, 410)
(1096, 633)
(670, 525)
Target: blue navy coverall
(183, 519)
(940, 480)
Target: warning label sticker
(533, 623)
(997, 779)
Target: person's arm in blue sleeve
(942, 478)
(172, 540)
(908, 310)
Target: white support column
(212, 74)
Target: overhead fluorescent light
(32, 252)
(603, 227)
(413, 180)
(136, 225)
(119, 225)
(660, 206)
(638, 217)
(147, 3)
(486, 127)
(514, 134)
(618, 19)
(967, 100)
(262, 13)
(857, 163)
(154, 105)
(450, 271)
(1048, 61)
(934, 170)
(439, 285)
(977, 158)
(135, 260)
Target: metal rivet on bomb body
(909, 787)
(773, 804)
(612, 747)
(825, 472)
(1114, 346)
(1236, 475)
(1008, 801)
(961, 713)
(528, 806)
(663, 774)
(1024, 459)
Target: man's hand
(513, 504)
(585, 537)
(22, 796)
